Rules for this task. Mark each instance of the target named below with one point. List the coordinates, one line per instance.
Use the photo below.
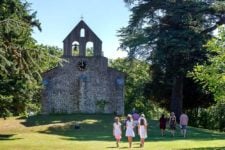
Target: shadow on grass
(99, 128)
(125, 147)
(206, 148)
(8, 137)
(39, 120)
(192, 134)
(92, 127)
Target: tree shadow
(192, 134)
(112, 147)
(8, 137)
(38, 120)
(99, 128)
(206, 148)
(91, 127)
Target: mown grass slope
(57, 132)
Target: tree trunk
(176, 104)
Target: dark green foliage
(194, 95)
(21, 61)
(50, 57)
(19, 72)
(211, 74)
(170, 34)
(137, 75)
(212, 117)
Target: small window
(82, 32)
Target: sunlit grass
(57, 132)
(89, 121)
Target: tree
(20, 58)
(136, 76)
(170, 35)
(51, 57)
(211, 74)
(194, 96)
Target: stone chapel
(83, 84)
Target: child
(117, 132)
(129, 129)
(142, 131)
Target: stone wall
(70, 90)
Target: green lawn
(56, 132)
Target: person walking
(172, 123)
(142, 131)
(142, 117)
(162, 124)
(183, 124)
(135, 117)
(129, 129)
(117, 132)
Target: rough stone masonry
(83, 84)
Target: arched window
(89, 48)
(75, 48)
(82, 32)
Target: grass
(56, 132)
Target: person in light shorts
(183, 124)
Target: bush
(212, 117)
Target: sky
(59, 17)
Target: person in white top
(142, 131)
(142, 117)
(117, 132)
(129, 129)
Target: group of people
(136, 123)
(172, 121)
(133, 123)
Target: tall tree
(21, 60)
(19, 72)
(170, 34)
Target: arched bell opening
(89, 48)
(75, 48)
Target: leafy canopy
(170, 34)
(211, 74)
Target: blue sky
(59, 17)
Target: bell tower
(84, 83)
(81, 34)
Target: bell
(75, 47)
